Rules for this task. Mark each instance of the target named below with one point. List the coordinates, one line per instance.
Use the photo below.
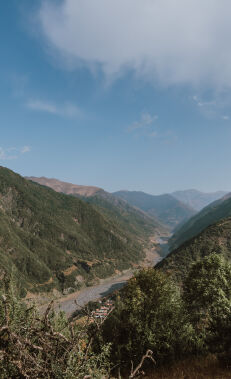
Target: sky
(120, 94)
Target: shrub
(149, 315)
(207, 295)
(45, 347)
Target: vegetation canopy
(148, 315)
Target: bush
(207, 295)
(149, 315)
(45, 347)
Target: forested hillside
(215, 238)
(64, 187)
(211, 214)
(133, 220)
(55, 240)
(165, 208)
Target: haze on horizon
(125, 94)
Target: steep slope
(212, 213)
(215, 238)
(196, 199)
(54, 240)
(67, 188)
(136, 222)
(165, 208)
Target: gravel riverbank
(106, 286)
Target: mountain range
(207, 216)
(108, 204)
(52, 240)
(207, 232)
(197, 199)
(71, 235)
(166, 208)
(214, 238)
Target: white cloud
(146, 120)
(38, 105)
(25, 149)
(12, 152)
(201, 103)
(168, 41)
(65, 110)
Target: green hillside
(211, 214)
(215, 238)
(135, 221)
(168, 210)
(55, 240)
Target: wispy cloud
(25, 149)
(201, 103)
(216, 106)
(10, 153)
(209, 108)
(146, 127)
(145, 37)
(65, 110)
(146, 121)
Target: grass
(192, 368)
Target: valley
(65, 246)
(78, 299)
(115, 202)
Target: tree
(148, 315)
(207, 295)
(48, 346)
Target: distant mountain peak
(166, 207)
(197, 199)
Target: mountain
(132, 219)
(215, 238)
(209, 215)
(136, 222)
(165, 208)
(52, 240)
(196, 199)
(67, 188)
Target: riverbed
(78, 299)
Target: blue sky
(131, 94)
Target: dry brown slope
(67, 188)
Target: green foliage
(207, 295)
(44, 233)
(165, 208)
(213, 213)
(149, 315)
(45, 347)
(216, 238)
(136, 223)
